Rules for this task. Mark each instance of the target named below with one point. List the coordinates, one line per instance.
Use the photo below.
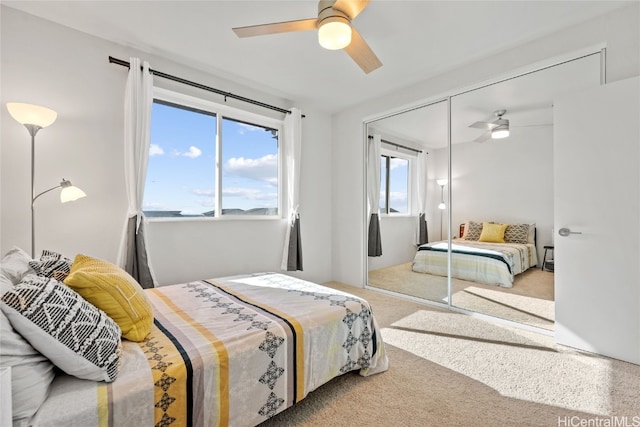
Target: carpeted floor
(529, 301)
(450, 369)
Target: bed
(493, 260)
(226, 351)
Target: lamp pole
(33, 130)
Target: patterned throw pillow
(517, 233)
(52, 264)
(473, 230)
(77, 337)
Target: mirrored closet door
(501, 183)
(410, 144)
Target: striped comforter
(230, 351)
(487, 263)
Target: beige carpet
(449, 369)
(529, 301)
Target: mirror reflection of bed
(507, 181)
(481, 277)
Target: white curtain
(132, 255)
(292, 252)
(422, 235)
(373, 195)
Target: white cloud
(263, 169)
(249, 193)
(155, 150)
(207, 203)
(242, 127)
(395, 162)
(204, 192)
(193, 152)
(396, 196)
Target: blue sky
(181, 172)
(398, 182)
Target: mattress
(486, 263)
(227, 351)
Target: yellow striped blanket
(487, 263)
(231, 351)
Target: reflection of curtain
(373, 196)
(292, 253)
(422, 233)
(132, 256)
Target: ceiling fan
(497, 129)
(334, 30)
(500, 127)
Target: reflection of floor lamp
(442, 206)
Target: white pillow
(531, 237)
(76, 336)
(15, 264)
(31, 372)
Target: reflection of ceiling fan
(497, 129)
(334, 30)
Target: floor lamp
(442, 206)
(34, 118)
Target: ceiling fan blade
(483, 125)
(351, 7)
(361, 53)
(483, 137)
(276, 27)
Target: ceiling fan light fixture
(500, 132)
(334, 33)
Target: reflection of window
(189, 175)
(394, 185)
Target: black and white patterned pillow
(517, 233)
(76, 336)
(473, 230)
(52, 264)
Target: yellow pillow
(113, 291)
(492, 233)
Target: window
(210, 160)
(394, 185)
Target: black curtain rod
(113, 60)
(398, 145)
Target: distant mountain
(178, 214)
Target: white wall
(619, 30)
(51, 65)
(398, 234)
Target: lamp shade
(334, 33)
(500, 132)
(442, 206)
(29, 114)
(441, 182)
(70, 193)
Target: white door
(597, 194)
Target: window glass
(186, 168)
(383, 184)
(249, 169)
(394, 185)
(398, 185)
(180, 175)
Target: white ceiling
(414, 40)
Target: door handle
(564, 232)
